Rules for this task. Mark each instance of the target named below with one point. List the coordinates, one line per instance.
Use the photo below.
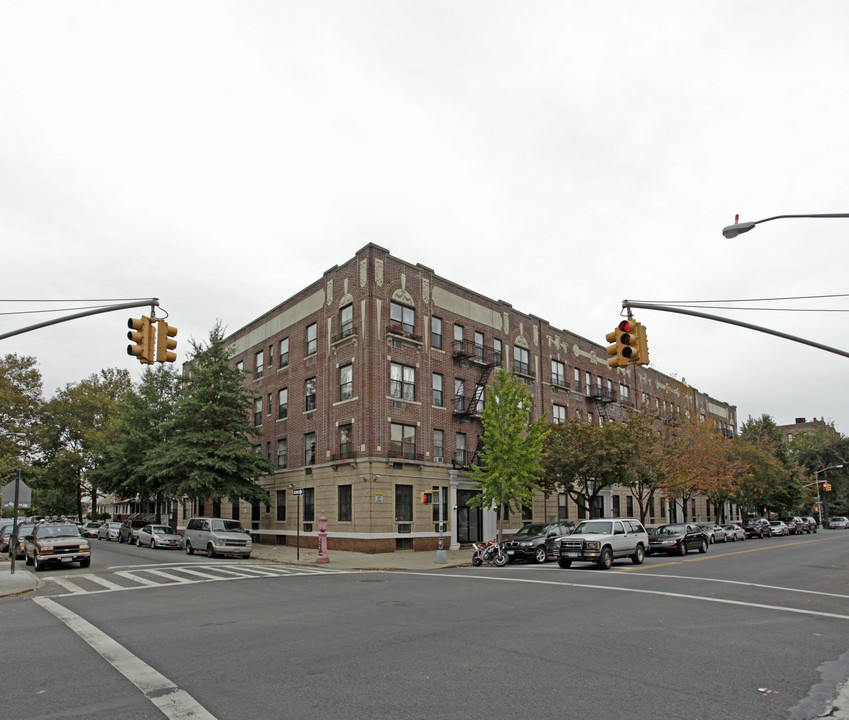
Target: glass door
(469, 519)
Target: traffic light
(165, 342)
(618, 337)
(639, 345)
(629, 344)
(826, 487)
(141, 333)
(429, 498)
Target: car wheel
(85, 563)
(638, 556)
(682, 548)
(39, 566)
(703, 547)
(712, 540)
(564, 564)
(152, 544)
(210, 551)
(605, 562)
(540, 555)
(120, 538)
(189, 549)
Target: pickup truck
(602, 541)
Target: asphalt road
(750, 630)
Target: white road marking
(67, 584)
(174, 703)
(682, 596)
(97, 579)
(137, 578)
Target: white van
(217, 536)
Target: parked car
(715, 533)
(23, 530)
(109, 531)
(734, 532)
(838, 522)
(779, 527)
(217, 536)
(90, 529)
(677, 538)
(5, 534)
(536, 541)
(795, 525)
(602, 541)
(811, 523)
(158, 536)
(757, 527)
(60, 543)
(129, 530)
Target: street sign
(297, 491)
(24, 496)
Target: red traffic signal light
(826, 487)
(429, 498)
(629, 344)
(141, 333)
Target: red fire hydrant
(322, 540)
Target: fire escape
(469, 354)
(602, 397)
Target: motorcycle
(490, 552)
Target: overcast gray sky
(560, 155)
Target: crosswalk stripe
(167, 576)
(134, 577)
(67, 584)
(102, 581)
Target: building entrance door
(469, 519)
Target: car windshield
(594, 528)
(160, 530)
(227, 525)
(775, 522)
(729, 527)
(668, 530)
(58, 531)
(531, 531)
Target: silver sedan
(108, 531)
(158, 536)
(734, 532)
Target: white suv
(602, 541)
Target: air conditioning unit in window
(397, 405)
(439, 459)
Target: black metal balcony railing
(346, 332)
(346, 452)
(404, 330)
(603, 394)
(522, 368)
(460, 457)
(471, 405)
(404, 452)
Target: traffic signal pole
(627, 304)
(152, 302)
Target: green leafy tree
(643, 473)
(509, 466)
(206, 451)
(74, 422)
(787, 486)
(20, 407)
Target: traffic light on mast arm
(826, 487)
(165, 342)
(141, 333)
(629, 344)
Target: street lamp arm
(738, 228)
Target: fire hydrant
(322, 540)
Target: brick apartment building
(368, 387)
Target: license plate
(572, 554)
(510, 552)
(67, 559)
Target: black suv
(128, 530)
(536, 541)
(757, 527)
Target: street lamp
(817, 482)
(738, 228)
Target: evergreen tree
(207, 451)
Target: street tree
(207, 451)
(509, 466)
(20, 406)
(643, 471)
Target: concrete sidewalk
(25, 580)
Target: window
(403, 316)
(257, 411)
(309, 504)
(438, 395)
(458, 337)
(460, 448)
(558, 373)
(309, 394)
(558, 414)
(284, 352)
(590, 418)
(498, 352)
(240, 366)
(624, 394)
(403, 441)
(258, 364)
(346, 320)
(402, 381)
(439, 446)
(344, 503)
(479, 346)
(312, 339)
(309, 449)
(436, 333)
(480, 394)
(615, 511)
(589, 379)
(521, 360)
(459, 394)
(281, 506)
(346, 444)
(403, 503)
(346, 382)
(283, 403)
(562, 506)
(281, 453)
(577, 380)
(268, 405)
(629, 505)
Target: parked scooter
(490, 553)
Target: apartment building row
(368, 386)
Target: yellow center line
(728, 554)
